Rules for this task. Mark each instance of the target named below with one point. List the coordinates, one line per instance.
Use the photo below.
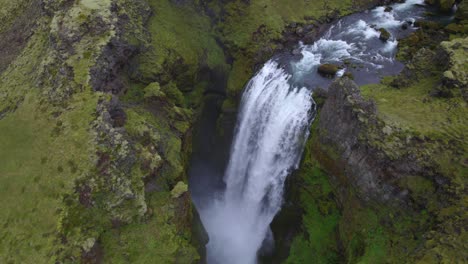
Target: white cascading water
(276, 113)
(272, 128)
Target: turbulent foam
(390, 47)
(309, 61)
(272, 128)
(361, 28)
(385, 19)
(408, 4)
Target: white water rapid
(273, 124)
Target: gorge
(276, 112)
(234, 131)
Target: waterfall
(271, 132)
(276, 111)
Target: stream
(238, 191)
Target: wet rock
(384, 34)
(328, 70)
(388, 9)
(405, 26)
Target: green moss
(153, 90)
(157, 239)
(174, 94)
(9, 11)
(438, 118)
(317, 242)
(179, 190)
(181, 29)
(250, 25)
(181, 41)
(32, 186)
(239, 76)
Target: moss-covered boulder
(328, 70)
(384, 34)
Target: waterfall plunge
(271, 132)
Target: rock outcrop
(347, 121)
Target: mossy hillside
(44, 149)
(100, 184)
(443, 5)
(156, 240)
(41, 157)
(317, 242)
(181, 44)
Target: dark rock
(388, 9)
(404, 26)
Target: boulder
(384, 34)
(328, 70)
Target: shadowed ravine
(276, 112)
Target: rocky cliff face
(345, 121)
